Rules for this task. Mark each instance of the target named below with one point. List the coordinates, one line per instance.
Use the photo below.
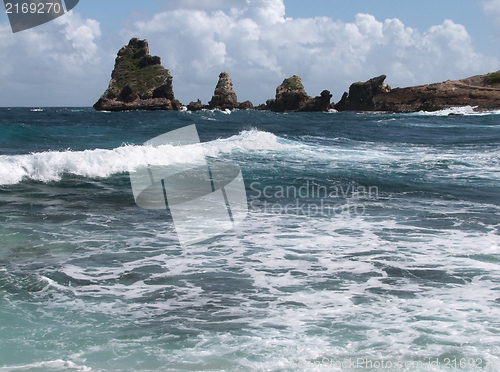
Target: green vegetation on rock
(293, 83)
(140, 79)
(493, 78)
(138, 82)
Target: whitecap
(53, 365)
(459, 111)
(50, 166)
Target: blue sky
(329, 43)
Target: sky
(329, 43)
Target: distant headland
(140, 82)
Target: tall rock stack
(224, 96)
(138, 82)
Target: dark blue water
(370, 237)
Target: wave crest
(50, 166)
(462, 111)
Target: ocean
(372, 242)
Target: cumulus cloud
(204, 4)
(62, 63)
(492, 9)
(54, 64)
(260, 47)
(492, 6)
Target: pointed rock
(138, 82)
(224, 96)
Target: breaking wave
(50, 166)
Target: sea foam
(50, 166)
(461, 111)
(54, 365)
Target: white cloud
(61, 63)
(492, 11)
(492, 8)
(204, 4)
(259, 47)
(54, 64)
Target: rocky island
(138, 82)
(291, 96)
(480, 91)
(224, 97)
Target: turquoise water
(397, 263)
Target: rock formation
(291, 96)
(196, 106)
(245, 105)
(224, 97)
(320, 103)
(138, 82)
(482, 91)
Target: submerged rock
(138, 82)
(481, 91)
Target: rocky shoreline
(140, 82)
(480, 91)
